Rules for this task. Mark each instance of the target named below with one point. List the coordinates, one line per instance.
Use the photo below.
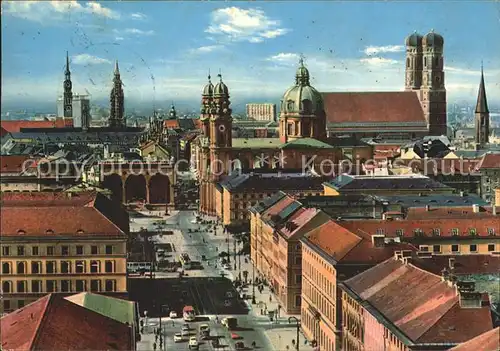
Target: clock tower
(68, 94)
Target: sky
(166, 49)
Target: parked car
(173, 314)
(178, 338)
(193, 343)
(184, 332)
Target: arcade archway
(159, 189)
(135, 188)
(113, 182)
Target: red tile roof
(489, 341)
(419, 303)
(448, 212)
(298, 220)
(277, 207)
(61, 220)
(441, 165)
(171, 124)
(463, 264)
(53, 323)
(490, 161)
(16, 125)
(373, 107)
(3, 131)
(14, 163)
(47, 199)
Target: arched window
(6, 268)
(307, 106)
(289, 105)
(94, 266)
(21, 268)
(6, 287)
(108, 267)
(425, 61)
(408, 62)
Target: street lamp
(297, 325)
(234, 252)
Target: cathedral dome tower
(206, 106)
(413, 61)
(302, 113)
(221, 116)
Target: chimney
(470, 299)
(475, 208)
(70, 194)
(445, 274)
(427, 208)
(462, 194)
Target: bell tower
(433, 92)
(482, 116)
(413, 62)
(206, 106)
(221, 121)
(68, 94)
(116, 117)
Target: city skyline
(347, 47)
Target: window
(424, 248)
(80, 267)
(21, 268)
(94, 266)
(36, 286)
(399, 232)
(34, 251)
(6, 287)
(491, 247)
(79, 250)
(380, 231)
(473, 248)
(5, 268)
(65, 285)
(298, 278)
(65, 267)
(93, 250)
(298, 259)
(20, 303)
(50, 267)
(95, 285)
(20, 250)
(472, 231)
(109, 249)
(21, 286)
(108, 267)
(50, 250)
(65, 250)
(51, 286)
(454, 231)
(455, 248)
(5, 251)
(80, 285)
(491, 231)
(436, 232)
(418, 232)
(36, 267)
(110, 285)
(298, 300)
(436, 248)
(6, 305)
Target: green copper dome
(208, 90)
(302, 98)
(220, 88)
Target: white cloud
(374, 50)
(119, 38)
(50, 12)
(206, 49)
(136, 31)
(378, 61)
(138, 16)
(239, 24)
(86, 59)
(285, 57)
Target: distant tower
(432, 91)
(68, 94)
(482, 115)
(206, 106)
(172, 114)
(413, 62)
(116, 118)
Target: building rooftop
(47, 199)
(488, 341)
(373, 107)
(462, 264)
(260, 183)
(53, 323)
(120, 310)
(306, 143)
(411, 182)
(441, 200)
(490, 161)
(14, 163)
(417, 304)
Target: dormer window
(399, 232)
(289, 105)
(418, 232)
(454, 231)
(473, 231)
(21, 232)
(380, 231)
(436, 232)
(80, 231)
(491, 231)
(49, 232)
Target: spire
(209, 76)
(220, 75)
(482, 103)
(67, 63)
(302, 74)
(117, 70)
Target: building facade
(262, 112)
(80, 110)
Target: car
(204, 327)
(235, 336)
(193, 343)
(173, 314)
(239, 345)
(186, 326)
(227, 267)
(184, 332)
(216, 343)
(178, 338)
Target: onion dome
(302, 98)
(220, 88)
(414, 40)
(433, 39)
(208, 90)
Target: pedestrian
(154, 346)
(270, 298)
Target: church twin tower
(425, 76)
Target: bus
(185, 261)
(137, 267)
(188, 314)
